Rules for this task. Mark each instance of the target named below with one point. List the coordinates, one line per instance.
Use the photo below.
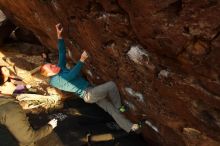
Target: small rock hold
(138, 95)
(163, 73)
(191, 132)
(89, 73)
(137, 54)
(198, 48)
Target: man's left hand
(59, 29)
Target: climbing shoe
(137, 128)
(122, 109)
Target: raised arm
(77, 68)
(61, 47)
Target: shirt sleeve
(20, 127)
(62, 53)
(74, 72)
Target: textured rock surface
(163, 54)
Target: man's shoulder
(53, 78)
(58, 78)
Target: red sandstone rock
(181, 37)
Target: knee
(87, 99)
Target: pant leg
(102, 91)
(117, 116)
(114, 94)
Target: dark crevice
(186, 30)
(177, 6)
(95, 7)
(209, 4)
(174, 8)
(201, 87)
(207, 118)
(113, 1)
(72, 17)
(207, 90)
(109, 43)
(45, 1)
(213, 2)
(216, 36)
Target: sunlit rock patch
(137, 54)
(138, 95)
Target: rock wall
(163, 55)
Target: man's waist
(87, 90)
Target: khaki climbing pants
(111, 104)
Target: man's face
(50, 69)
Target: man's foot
(137, 128)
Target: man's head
(49, 70)
(4, 74)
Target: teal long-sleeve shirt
(69, 79)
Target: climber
(71, 81)
(14, 118)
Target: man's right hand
(53, 123)
(59, 29)
(84, 56)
